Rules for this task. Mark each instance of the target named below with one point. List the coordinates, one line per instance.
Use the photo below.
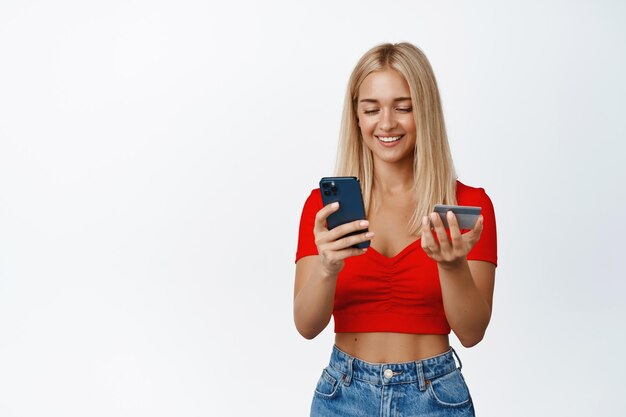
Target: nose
(387, 120)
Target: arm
(314, 295)
(466, 286)
(316, 275)
(467, 290)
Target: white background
(155, 156)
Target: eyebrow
(371, 100)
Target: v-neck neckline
(397, 255)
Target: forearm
(313, 305)
(467, 311)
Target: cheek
(366, 127)
(410, 124)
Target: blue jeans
(350, 386)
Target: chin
(394, 158)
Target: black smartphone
(347, 191)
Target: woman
(395, 303)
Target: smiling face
(385, 114)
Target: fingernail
(450, 214)
(433, 216)
(425, 220)
(335, 204)
(369, 234)
(364, 223)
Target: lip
(388, 145)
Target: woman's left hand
(448, 252)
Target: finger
(478, 227)
(333, 255)
(474, 234)
(440, 230)
(344, 229)
(322, 215)
(326, 236)
(455, 232)
(428, 242)
(348, 241)
(346, 253)
(477, 230)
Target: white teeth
(389, 139)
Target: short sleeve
(306, 237)
(486, 249)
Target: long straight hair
(433, 169)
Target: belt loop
(457, 357)
(420, 375)
(348, 378)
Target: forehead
(383, 85)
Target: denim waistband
(420, 371)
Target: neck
(393, 178)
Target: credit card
(466, 216)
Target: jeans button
(388, 373)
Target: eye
(370, 111)
(404, 109)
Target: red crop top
(401, 294)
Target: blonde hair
(434, 174)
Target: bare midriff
(392, 347)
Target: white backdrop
(155, 156)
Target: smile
(389, 139)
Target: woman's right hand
(331, 246)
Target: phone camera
(333, 189)
(325, 184)
(326, 192)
